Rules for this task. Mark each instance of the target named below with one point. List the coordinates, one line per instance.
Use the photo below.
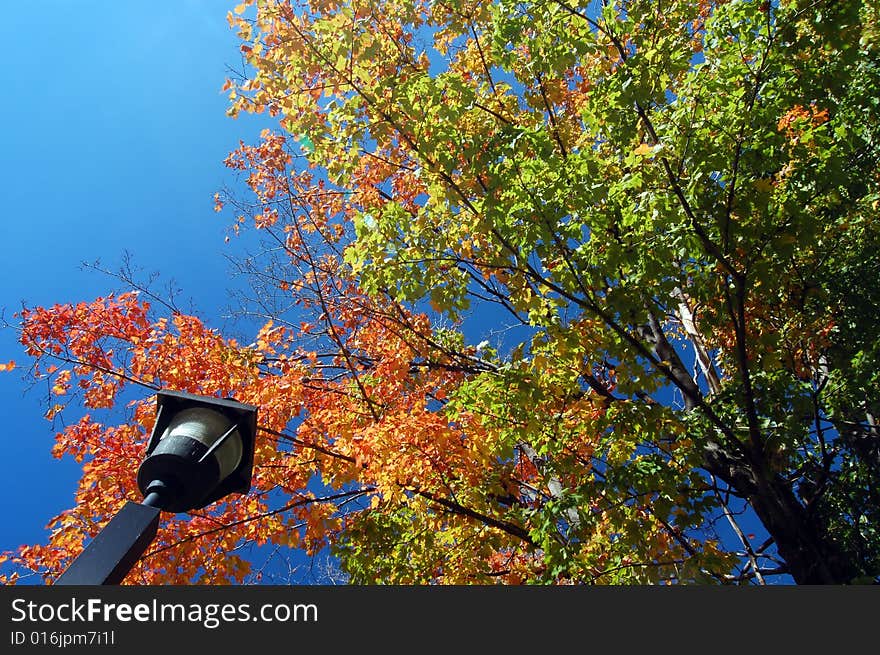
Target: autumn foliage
(620, 188)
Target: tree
(625, 186)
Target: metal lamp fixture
(201, 449)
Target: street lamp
(201, 449)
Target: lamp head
(201, 449)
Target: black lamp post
(201, 449)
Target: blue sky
(114, 135)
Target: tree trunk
(689, 323)
(811, 556)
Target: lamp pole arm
(108, 558)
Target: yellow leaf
(239, 9)
(7, 367)
(764, 185)
(644, 150)
(53, 411)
